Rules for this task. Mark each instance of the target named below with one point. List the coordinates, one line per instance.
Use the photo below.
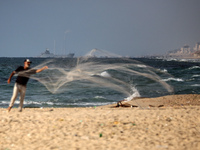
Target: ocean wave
(5, 102)
(171, 59)
(180, 60)
(99, 97)
(173, 79)
(142, 66)
(91, 104)
(195, 85)
(194, 67)
(56, 104)
(31, 103)
(163, 70)
(195, 76)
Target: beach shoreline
(175, 125)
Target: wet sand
(174, 125)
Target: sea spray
(134, 95)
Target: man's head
(27, 63)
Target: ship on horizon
(48, 54)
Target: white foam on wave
(90, 104)
(195, 85)
(163, 70)
(196, 76)
(141, 66)
(194, 67)
(25, 102)
(40, 104)
(97, 97)
(105, 74)
(5, 102)
(173, 79)
(171, 59)
(181, 60)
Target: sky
(124, 27)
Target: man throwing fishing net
(24, 72)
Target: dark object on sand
(119, 104)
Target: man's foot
(9, 108)
(20, 109)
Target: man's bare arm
(11, 75)
(41, 69)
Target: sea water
(71, 83)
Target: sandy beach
(169, 122)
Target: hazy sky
(125, 27)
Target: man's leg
(22, 95)
(14, 96)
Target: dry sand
(176, 126)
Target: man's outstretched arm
(41, 69)
(11, 75)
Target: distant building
(197, 50)
(183, 51)
(197, 47)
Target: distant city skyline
(196, 46)
(124, 27)
(185, 51)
